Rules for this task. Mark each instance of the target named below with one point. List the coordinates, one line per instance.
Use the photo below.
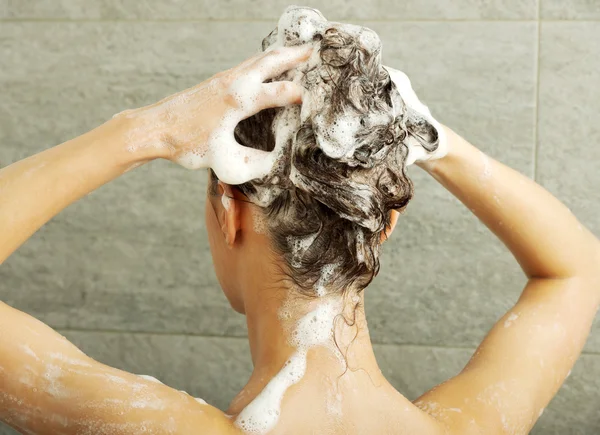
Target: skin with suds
(48, 386)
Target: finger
(404, 86)
(278, 94)
(276, 62)
(236, 164)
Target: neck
(282, 324)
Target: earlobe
(230, 222)
(386, 234)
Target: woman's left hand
(195, 127)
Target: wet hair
(326, 210)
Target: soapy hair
(325, 215)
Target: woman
(295, 219)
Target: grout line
(536, 131)
(439, 346)
(245, 338)
(274, 20)
(235, 337)
(137, 332)
(258, 20)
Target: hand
(195, 127)
(420, 113)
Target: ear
(390, 228)
(228, 214)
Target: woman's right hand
(416, 152)
(195, 127)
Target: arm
(527, 355)
(48, 386)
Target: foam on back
(314, 329)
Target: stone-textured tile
(478, 78)
(445, 279)
(570, 9)
(568, 160)
(34, 50)
(445, 289)
(72, 279)
(215, 369)
(414, 370)
(134, 253)
(5, 430)
(569, 156)
(267, 10)
(54, 90)
(574, 410)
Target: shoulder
(456, 415)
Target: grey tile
(161, 203)
(478, 78)
(414, 370)
(570, 9)
(445, 279)
(569, 158)
(214, 369)
(441, 286)
(268, 10)
(34, 50)
(146, 228)
(5, 430)
(54, 90)
(39, 112)
(575, 409)
(73, 279)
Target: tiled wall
(126, 274)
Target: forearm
(543, 235)
(35, 189)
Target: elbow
(595, 266)
(590, 263)
(580, 261)
(589, 267)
